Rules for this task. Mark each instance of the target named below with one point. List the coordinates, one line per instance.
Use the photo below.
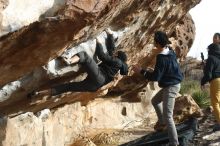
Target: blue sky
(206, 16)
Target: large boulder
(35, 37)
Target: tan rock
(83, 142)
(186, 107)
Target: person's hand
(136, 68)
(66, 60)
(202, 87)
(98, 40)
(150, 69)
(108, 30)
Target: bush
(201, 98)
(192, 88)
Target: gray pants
(93, 82)
(165, 113)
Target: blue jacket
(167, 70)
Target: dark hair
(122, 56)
(161, 38)
(217, 34)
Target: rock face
(72, 122)
(36, 35)
(183, 36)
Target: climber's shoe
(32, 94)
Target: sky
(206, 16)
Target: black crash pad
(185, 130)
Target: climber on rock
(98, 75)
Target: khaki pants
(215, 97)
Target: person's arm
(124, 69)
(207, 71)
(151, 75)
(157, 73)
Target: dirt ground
(203, 137)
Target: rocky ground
(205, 136)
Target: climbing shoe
(33, 93)
(110, 42)
(159, 127)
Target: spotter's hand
(136, 68)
